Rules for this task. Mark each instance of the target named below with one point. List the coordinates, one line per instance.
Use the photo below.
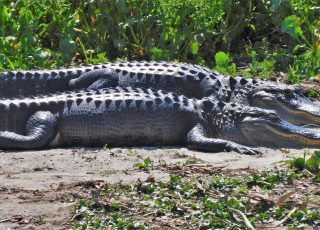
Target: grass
(217, 199)
(260, 38)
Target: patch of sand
(38, 189)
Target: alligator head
(286, 100)
(254, 126)
(266, 128)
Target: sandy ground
(38, 189)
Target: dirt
(38, 189)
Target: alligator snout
(291, 106)
(266, 132)
(301, 113)
(295, 134)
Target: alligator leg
(95, 79)
(40, 130)
(197, 140)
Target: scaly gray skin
(190, 80)
(137, 117)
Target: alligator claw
(246, 150)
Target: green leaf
(174, 179)
(194, 46)
(297, 48)
(299, 163)
(147, 162)
(222, 59)
(4, 16)
(253, 54)
(246, 72)
(291, 26)
(233, 69)
(243, 189)
(313, 164)
(139, 165)
(317, 153)
(252, 27)
(165, 36)
(102, 56)
(159, 54)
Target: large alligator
(135, 117)
(190, 80)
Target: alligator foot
(40, 130)
(243, 149)
(95, 79)
(197, 140)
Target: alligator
(139, 117)
(190, 80)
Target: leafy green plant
(313, 93)
(263, 69)
(106, 147)
(191, 160)
(203, 202)
(303, 27)
(48, 34)
(42, 219)
(312, 164)
(224, 64)
(145, 164)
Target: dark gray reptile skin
(189, 80)
(137, 117)
(186, 79)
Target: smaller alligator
(139, 117)
(190, 80)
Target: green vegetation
(145, 164)
(312, 164)
(220, 199)
(42, 219)
(106, 148)
(259, 37)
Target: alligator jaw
(277, 132)
(295, 133)
(296, 136)
(305, 112)
(294, 107)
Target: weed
(260, 199)
(312, 164)
(224, 64)
(42, 219)
(263, 69)
(313, 93)
(191, 160)
(106, 148)
(145, 164)
(303, 27)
